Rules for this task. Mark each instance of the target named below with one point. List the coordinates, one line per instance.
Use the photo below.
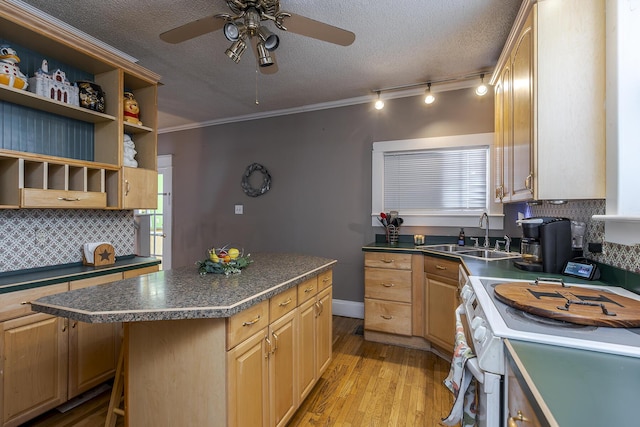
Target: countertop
(183, 293)
(44, 276)
(581, 388)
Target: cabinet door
(34, 358)
(522, 63)
(324, 325)
(248, 382)
(441, 304)
(93, 347)
(140, 188)
(503, 135)
(306, 347)
(282, 369)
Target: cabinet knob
(513, 421)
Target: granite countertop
(183, 293)
(581, 388)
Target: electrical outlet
(239, 209)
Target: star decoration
(105, 255)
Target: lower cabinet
(273, 370)
(47, 360)
(441, 300)
(34, 366)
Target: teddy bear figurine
(131, 109)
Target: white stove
(491, 320)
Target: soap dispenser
(461, 237)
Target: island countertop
(183, 293)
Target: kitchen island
(210, 350)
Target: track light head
(236, 50)
(271, 41)
(429, 98)
(264, 57)
(482, 89)
(379, 103)
(231, 31)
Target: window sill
(496, 222)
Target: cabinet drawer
(384, 316)
(13, 303)
(441, 267)
(38, 198)
(242, 325)
(94, 281)
(140, 271)
(283, 303)
(325, 280)
(387, 260)
(392, 285)
(307, 290)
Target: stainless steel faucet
(507, 246)
(486, 230)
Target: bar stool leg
(117, 393)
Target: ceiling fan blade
(318, 30)
(193, 29)
(271, 69)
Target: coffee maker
(545, 245)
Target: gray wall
(320, 163)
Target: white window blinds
(436, 180)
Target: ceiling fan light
(236, 50)
(231, 31)
(271, 41)
(264, 57)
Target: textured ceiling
(398, 42)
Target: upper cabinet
(59, 155)
(549, 103)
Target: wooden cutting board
(574, 304)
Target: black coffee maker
(545, 245)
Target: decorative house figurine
(10, 74)
(129, 152)
(131, 109)
(90, 96)
(53, 85)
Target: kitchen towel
(461, 382)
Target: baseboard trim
(348, 308)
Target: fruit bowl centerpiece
(224, 261)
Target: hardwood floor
(366, 384)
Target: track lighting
(429, 98)
(236, 50)
(379, 103)
(482, 89)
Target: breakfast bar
(199, 347)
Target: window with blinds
(437, 180)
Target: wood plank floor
(366, 384)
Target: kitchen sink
(478, 253)
(443, 248)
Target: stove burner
(547, 321)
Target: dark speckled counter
(183, 293)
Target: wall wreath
(266, 180)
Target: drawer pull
(325, 280)
(275, 342)
(513, 420)
(127, 187)
(251, 322)
(306, 291)
(25, 302)
(268, 341)
(69, 199)
(387, 261)
(440, 267)
(386, 317)
(388, 285)
(285, 303)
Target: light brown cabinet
(442, 279)
(35, 180)
(277, 351)
(549, 87)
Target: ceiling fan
(246, 25)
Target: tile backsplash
(619, 256)
(32, 238)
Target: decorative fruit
(234, 253)
(213, 257)
(222, 253)
(227, 258)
